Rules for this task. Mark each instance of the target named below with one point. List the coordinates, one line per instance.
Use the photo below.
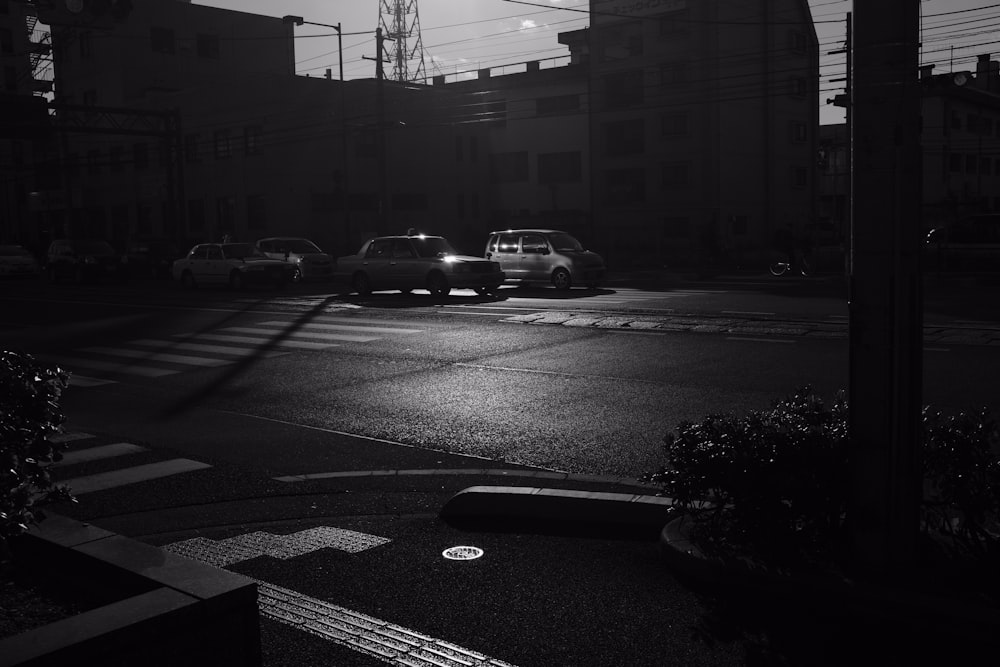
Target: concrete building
(678, 133)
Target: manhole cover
(462, 553)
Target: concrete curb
(154, 607)
(557, 510)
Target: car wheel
(483, 291)
(362, 285)
(297, 275)
(405, 291)
(236, 280)
(561, 279)
(187, 280)
(437, 284)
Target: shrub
(772, 486)
(29, 416)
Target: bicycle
(781, 268)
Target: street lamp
(298, 20)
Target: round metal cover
(462, 553)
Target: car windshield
(93, 248)
(13, 251)
(240, 251)
(296, 245)
(432, 246)
(563, 242)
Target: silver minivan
(545, 255)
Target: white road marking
(342, 327)
(294, 344)
(229, 350)
(266, 334)
(94, 364)
(102, 452)
(159, 356)
(143, 473)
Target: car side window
(508, 243)
(267, 246)
(379, 249)
(533, 244)
(401, 248)
(214, 252)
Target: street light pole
(298, 20)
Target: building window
(674, 73)
(86, 45)
(955, 162)
(256, 212)
(223, 147)
(626, 137)
(509, 167)
(558, 104)
(140, 156)
(676, 174)
(985, 165)
(560, 167)
(625, 186)
(675, 24)
(796, 41)
(797, 132)
(161, 40)
(623, 89)
(191, 146)
(800, 177)
(970, 164)
(196, 216)
(673, 124)
(676, 227)
(251, 139)
(93, 162)
(207, 46)
(115, 158)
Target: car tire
(236, 281)
(561, 279)
(438, 285)
(297, 276)
(361, 284)
(483, 291)
(187, 280)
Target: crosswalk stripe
(158, 356)
(345, 327)
(303, 334)
(295, 344)
(102, 452)
(94, 364)
(76, 380)
(132, 475)
(212, 349)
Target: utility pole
(383, 185)
(845, 101)
(885, 295)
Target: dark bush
(29, 416)
(772, 486)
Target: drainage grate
(462, 553)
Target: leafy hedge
(29, 416)
(773, 485)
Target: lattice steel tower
(400, 23)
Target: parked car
(151, 258)
(309, 261)
(82, 260)
(545, 256)
(971, 244)
(16, 260)
(235, 264)
(413, 262)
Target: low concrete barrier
(152, 607)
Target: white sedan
(233, 264)
(407, 263)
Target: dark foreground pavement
(351, 569)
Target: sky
(463, 36)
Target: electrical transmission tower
(400, 23)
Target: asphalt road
(327, 415)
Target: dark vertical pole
(380, 134)
(345, 204)
(886, 308)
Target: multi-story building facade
(678, 132)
